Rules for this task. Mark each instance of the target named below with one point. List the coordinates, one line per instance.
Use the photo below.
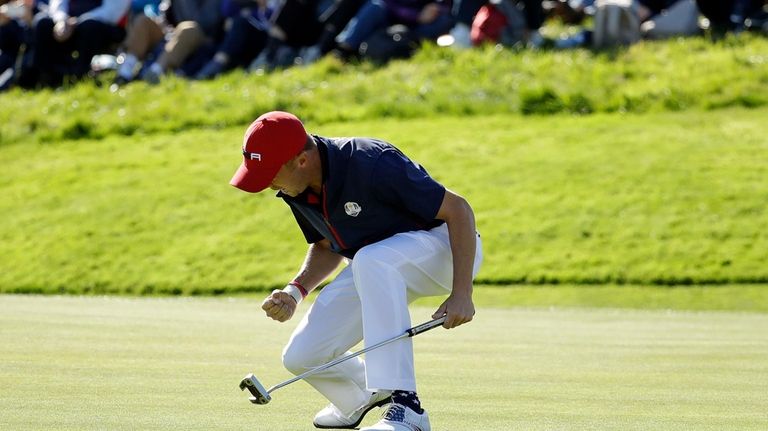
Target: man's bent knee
(297, 359)
(370, 257)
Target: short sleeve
(402, 183)
(310, 233)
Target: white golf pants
(369, 300)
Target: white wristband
(294, 292)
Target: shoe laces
(394, 413)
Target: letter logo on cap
(252, 156)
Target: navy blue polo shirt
(370, 192)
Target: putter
(261, 395)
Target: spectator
(508, 22)
(148, 7)
(304, 30)
(186, 24)
(730, 15)
(427, 19)
(465, 12)
(245, 39)
(667, 18)
(572, 12)
(656, 19)
(66, 38)
(15, 17)
(334, 19)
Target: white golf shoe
(401, 418)
(331, 418)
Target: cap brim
(251, 181)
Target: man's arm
(458, 215)
(319, 263)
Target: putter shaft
(409, 333)
(261, 396)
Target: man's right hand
(279, 306)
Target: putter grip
(424, 327)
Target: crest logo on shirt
(352, 209)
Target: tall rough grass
(651, 76)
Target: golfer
(403, 236)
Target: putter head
(260, 395)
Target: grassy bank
(649, 77)
(652, 199)
(90, 363)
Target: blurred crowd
(45, 43)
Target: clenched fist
(279, 306)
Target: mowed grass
(95, 363)
(653, 199)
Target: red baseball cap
(272, 140)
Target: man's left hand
(457, 309)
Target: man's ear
(302, 159)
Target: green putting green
(96, 363)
